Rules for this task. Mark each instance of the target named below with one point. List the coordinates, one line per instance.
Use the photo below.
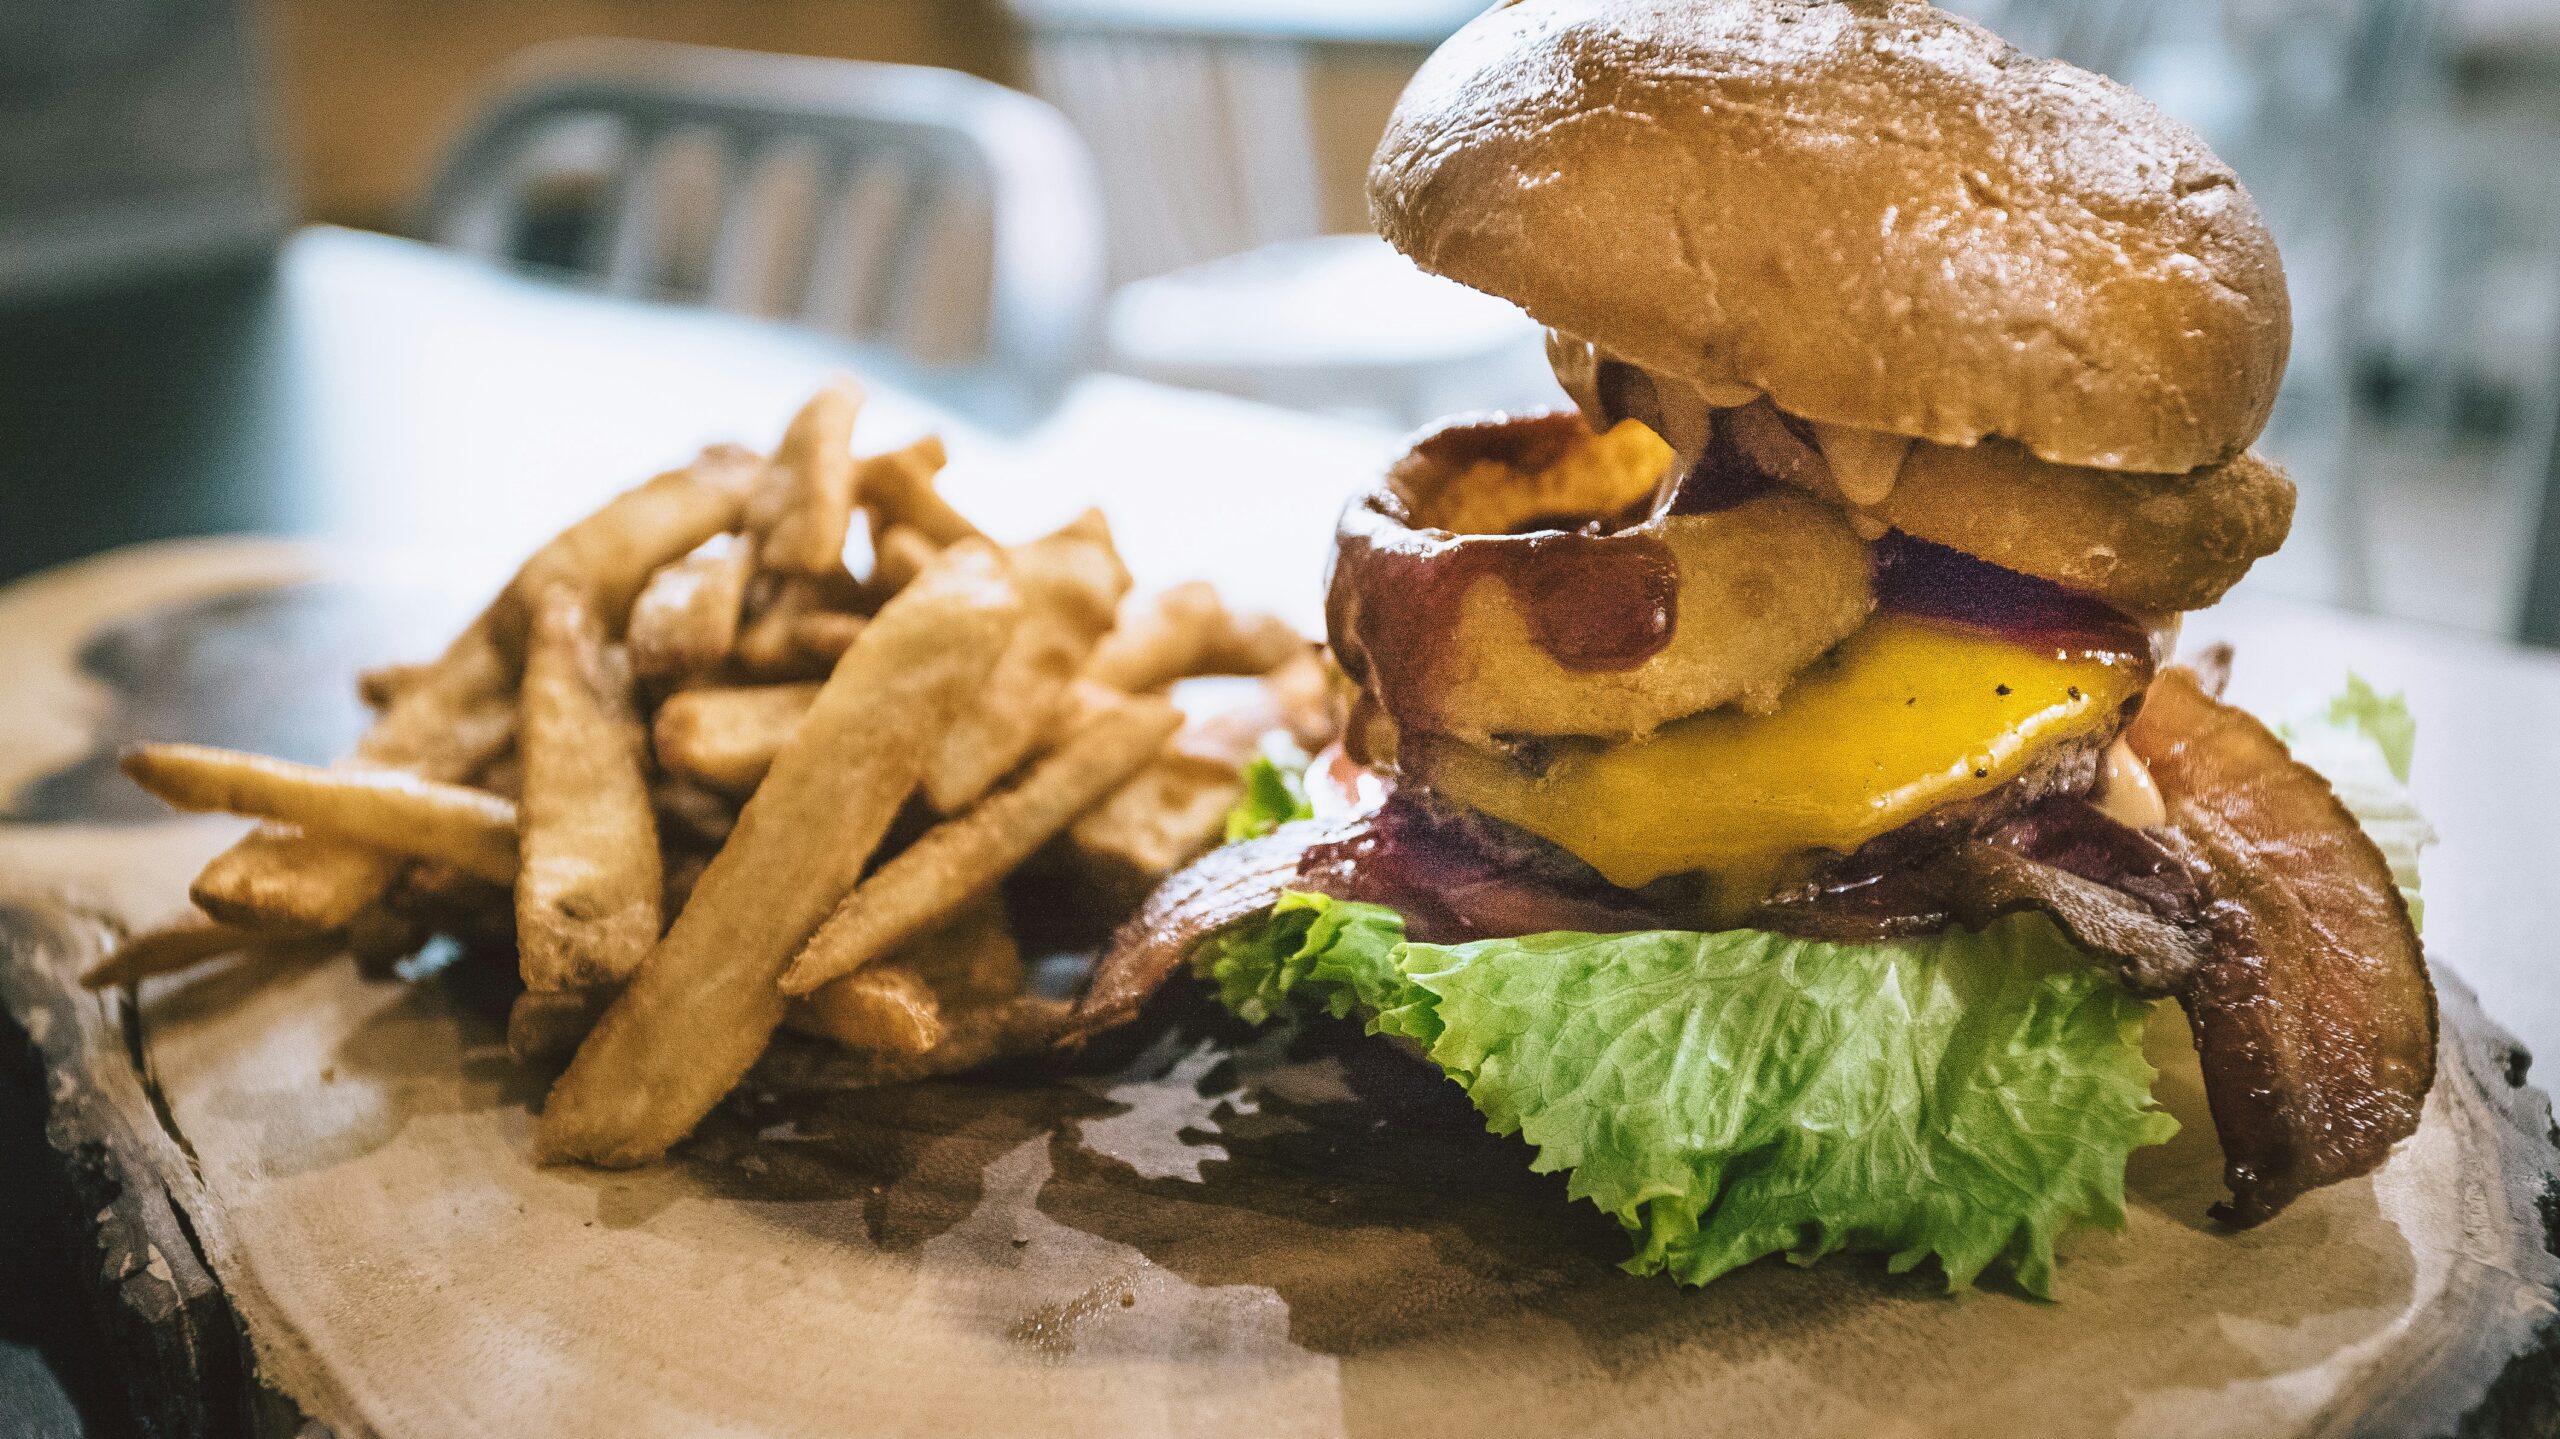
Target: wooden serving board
(309, 1193)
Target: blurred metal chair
(1202, 110)
(942, 217)
(1208, 116)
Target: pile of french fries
(708, 783)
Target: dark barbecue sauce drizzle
(1591, 601)
(1598, 602)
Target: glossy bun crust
(1878, 213)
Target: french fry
(704, 1004)
(547, 1024)
(1158, 640)
(795, 636)
(450, 720)
(898, 488)
(810, 486)
(1166, 816)
(278, 878)
(1226, 717)
(389, 810)
(1009, 1029)
(1024, 1026)
(382, 934)
(1302, 701)
(886, 1008)
(725, 738)
(1071, 584)
(693, 813)
(446, 900)
(1084, 702)
(611, 554)
(684, 871)
(504, 794)
(588, 877)
(1184, 631)
(446, 723)
(1175, 810)
(447, 718)
(503, 777)
(1253, 644)
(382, 684)
(837, 592)
(900, 554)
(963, 857)
(686, 619)
(165, 949)
(824, 635)
(764, 645)
(969, 959)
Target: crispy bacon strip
(1456, 877)
(1223, 887)
(2119, 893)
(1451, 879)
(2153, 956)
(2315, 1018)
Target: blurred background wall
(2407, 153)
(371, 91)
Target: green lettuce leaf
(1966, 1097)
(1257, 968)
(1275, 791)
(2361, 742)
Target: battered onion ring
(2149, 544)
(1458, 628)
(2146, 543)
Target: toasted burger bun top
(1877, 213)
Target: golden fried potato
(1167, 815)
(809, 486)
(446, 721)
(384, 809)
(188, 940)
(961, 858)
(885, 1007)
(704, 1002)
(549, 1024)
(589, 881)
(1072, 583)
(726, 736)
(1184, 631)
(686, 618)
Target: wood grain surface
(317, 1182)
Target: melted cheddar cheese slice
(1905, 716)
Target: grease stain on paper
(1149, 1133)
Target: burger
(1766, 786)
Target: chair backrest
(1201, 109)
(939, 215)
(1208, 143)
